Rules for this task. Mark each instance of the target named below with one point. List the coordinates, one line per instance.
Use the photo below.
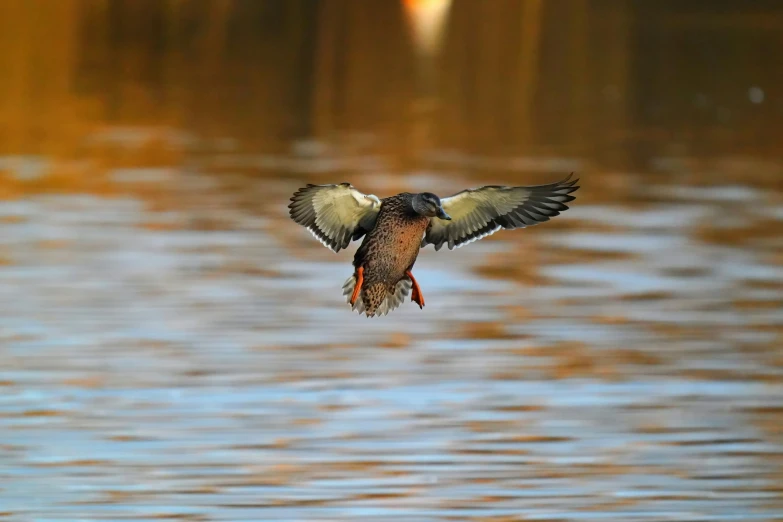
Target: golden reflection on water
(173, 347)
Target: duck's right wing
(334, 214)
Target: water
(171, 352)
(174, 347)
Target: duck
(397, 227)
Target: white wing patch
(482, 236)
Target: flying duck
(396, 227)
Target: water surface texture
(158, 363)
(173, 347)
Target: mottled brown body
(389, 249)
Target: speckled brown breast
(390, 249)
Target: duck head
(428, 204)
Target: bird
(396, 228)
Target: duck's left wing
(477, 213)
(334, 214)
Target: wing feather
(480, 212)
(334, 214)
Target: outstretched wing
(477, 213)
(334, 214)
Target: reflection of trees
(547, 77)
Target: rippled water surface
(174, 348)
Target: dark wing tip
(300, 191)
(544, 203)
(569, 182)
(565, 186)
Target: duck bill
(442, 214)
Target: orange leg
(416, 295)
(358, 287)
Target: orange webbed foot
(358, 287)
(416, 295)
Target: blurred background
(173, 347)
